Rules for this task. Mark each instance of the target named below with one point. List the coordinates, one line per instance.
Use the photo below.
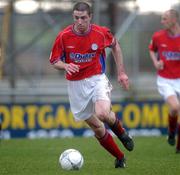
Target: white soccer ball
(71, 159)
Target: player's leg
(0, 128)
(178, 128)
(168, 90)
(178, 137)
(104, 113)
(82, 96)
(174, 106)
(178, 125)
(121, 133)
(106, 140)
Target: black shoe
(127, 141)
(177, 151)
(171, 139)
(120, 163)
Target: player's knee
(99, 131)
(102, 114)
(175, 109)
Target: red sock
(172, 123)
(108, 143)
(117, 128)
(178, 138)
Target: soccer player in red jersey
(79, 49)
(165, 54)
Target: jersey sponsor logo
(171, 55)
(80, 58)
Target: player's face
(167, 21)
(81, 20)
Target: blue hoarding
(56, 120)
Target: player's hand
(123, 80)
(159, 65)
(71, 68)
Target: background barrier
(56, 120)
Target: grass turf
(151, 156)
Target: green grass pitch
(151, 156)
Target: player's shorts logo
(94, 46)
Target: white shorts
(168, 87)
(84, 93)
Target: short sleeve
(153, 44)
(57, 52)
(109, 38)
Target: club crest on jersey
(94, 46)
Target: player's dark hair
(82, 6)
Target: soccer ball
(71, 159)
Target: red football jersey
(168, 50)
(86, 50)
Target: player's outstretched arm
(118, 57)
